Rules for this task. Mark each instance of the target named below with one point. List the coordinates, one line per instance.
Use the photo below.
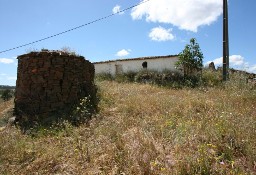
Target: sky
(154, 28)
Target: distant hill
(7, 87)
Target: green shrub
(211, 78)
(238, 80)
(6, 94)
(126, 77)
(104, 77)
(83, 111)
(170, 79)
(130, 76)
(167, 79)
(148, 76)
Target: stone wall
(51, 82)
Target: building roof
(140, 58)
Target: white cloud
(185, 14)
(234, 60)
(2, 74)
(123, 52)
(161, 34)
(6, 60)
(252, 69)
(117, 9)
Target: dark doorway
(145, 65)
(119, 69)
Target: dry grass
(5, 112)
(144, 129)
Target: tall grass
(145, 129)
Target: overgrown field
(145, 129)
(5, 111)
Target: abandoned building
(156, 63)
(51, 82)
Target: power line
(75, 28)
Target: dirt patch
(5, 106)
(5, 112)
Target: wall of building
(51, 82)
(135, 65)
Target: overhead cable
(75, 28)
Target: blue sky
(157, 27)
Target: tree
(191, 59)
(6, 95)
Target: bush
(6, 95)
(238, 80)
(191, 58)
(104, 77)
(211, 78)
(83, 111)
(167, 79)
(191, 81)
(148, 76)
(126, 77)
(176, 80)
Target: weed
(104, 77)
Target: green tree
(191, 59)
(6, 94)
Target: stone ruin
(51, 83)
(212, 66)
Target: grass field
(5, 111)
(145, 129)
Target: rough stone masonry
(51, 82)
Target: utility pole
(225, 42)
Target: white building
(156, 63)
